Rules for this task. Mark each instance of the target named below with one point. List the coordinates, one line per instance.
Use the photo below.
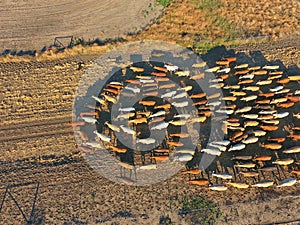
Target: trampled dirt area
(37, 145)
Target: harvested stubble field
(36, 145)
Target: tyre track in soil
(40, 133)
(35, 129)
(22, 125)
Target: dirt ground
(36, 99)
(37, 145)
(31, 25)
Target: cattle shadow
(253, 58)
(257, 58)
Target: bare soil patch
(31, 25)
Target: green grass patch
(93, 195)
(200, 211)
(210, 9)
(163, 3)
(209, 5)
(231, 31)
(165, 220)
(202, 47)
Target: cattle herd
(258, 105)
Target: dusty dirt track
(31, 25)
(37, 145)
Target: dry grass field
(193, 23)
(36, 100)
